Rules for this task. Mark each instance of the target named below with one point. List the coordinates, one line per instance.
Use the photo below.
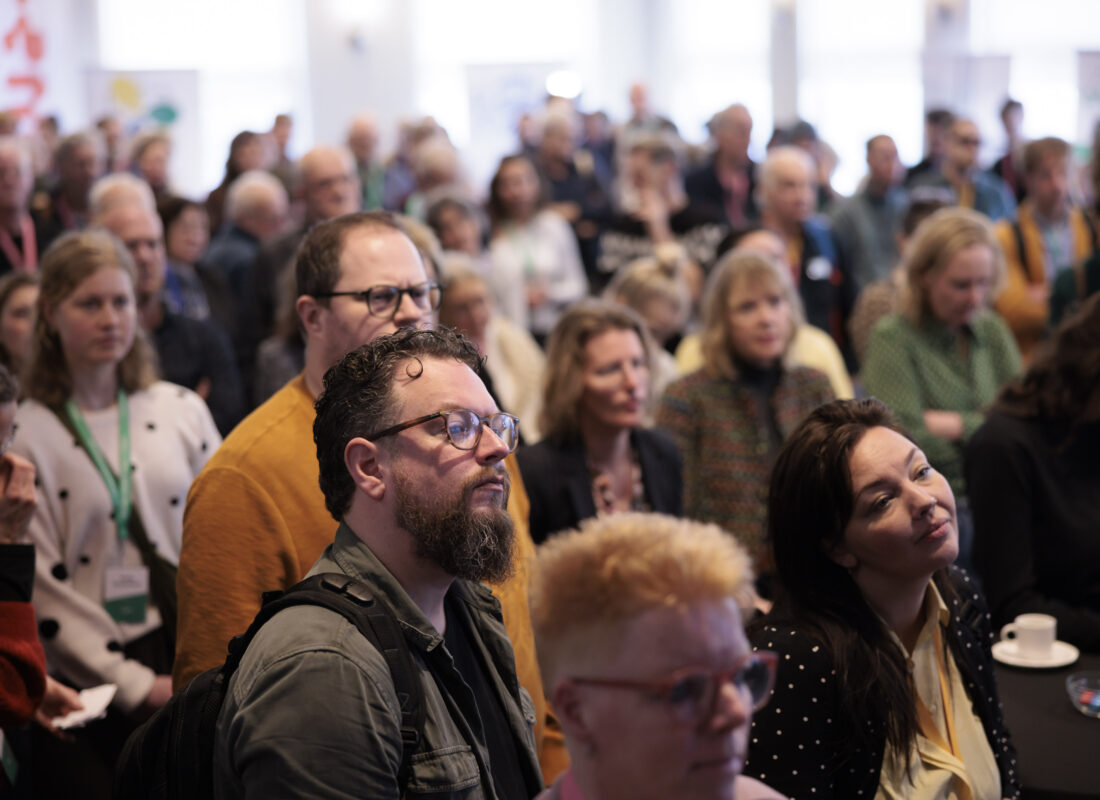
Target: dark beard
(475, 545)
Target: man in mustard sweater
(1048, 236)
(255, 518)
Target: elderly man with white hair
(256, 210)
(786, 194)
(22, 239)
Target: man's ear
(570, 711)
(361, 457)
(309, 312)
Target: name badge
(819, 269)
(126, 593)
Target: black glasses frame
(483, 422)
(365, 295)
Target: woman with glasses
(638, 626)
(115, 452)
(885, 685)
(595, 456)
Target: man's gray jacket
(312, 713)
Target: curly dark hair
(357, 398)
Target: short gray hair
(249, 192)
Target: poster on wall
(158, 100)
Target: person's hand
(157, 697)
(58, 701)
(944, 424)
(18, 499)
(202, 389)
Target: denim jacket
(312, 713)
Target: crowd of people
(645, 446)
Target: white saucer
(1061, 654)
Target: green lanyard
(119, 488)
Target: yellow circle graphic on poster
(126, 93)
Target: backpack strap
(358, 604)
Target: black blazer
(558, 485)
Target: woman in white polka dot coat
(93, 368)
(885, 687)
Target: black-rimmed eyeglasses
(464, 427)
(692, 693)
(383, 301)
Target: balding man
(329, 187)
(973, 187)
(363, 143)
(22, 238)
(787, 196)
(728, 182)
(193, 353)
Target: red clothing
(22, 662)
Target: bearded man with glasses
(255, 518)
(411, 450)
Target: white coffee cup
(1034, 634)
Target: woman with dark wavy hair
(885, 686)
(1033, 470)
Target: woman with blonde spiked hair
(638, 625)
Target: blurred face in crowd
(153, 164)
(1048, 185)
(467, 307)
(80, 170)
(733, 131)
(363, 139)
(188, 235)
(558, 141)
(17, 319)
(647, 746)
(616, 380)
(97, 322)
(249, 155)
(882, 163)
(518, 188)
(759, 320)
(957, 291)
(16, 179)
(458, 230)
(963, 144)
(330, 184)
(903, 526)
(140, 229)
(790, 195)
